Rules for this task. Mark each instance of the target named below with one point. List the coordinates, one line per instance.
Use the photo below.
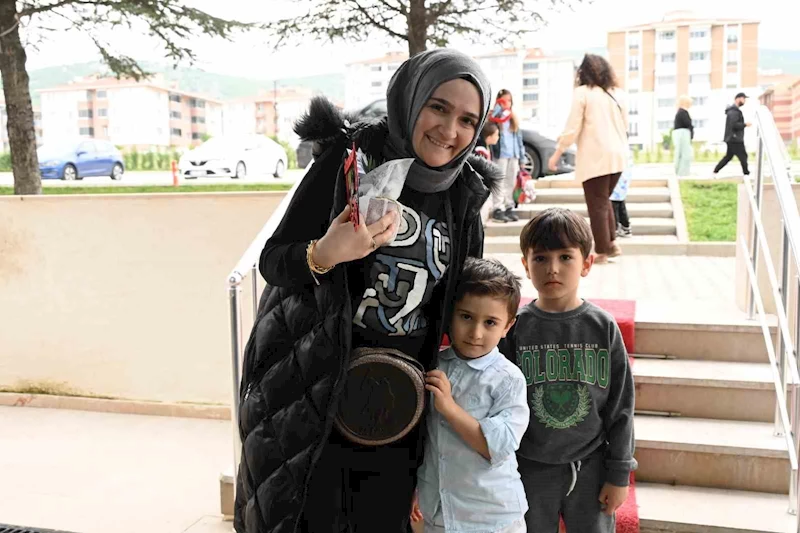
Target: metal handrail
(248, 265)
(785, 371)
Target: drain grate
(19, 529)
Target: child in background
(468, 480)
(618, 197)
(490, 135)
(577, 454)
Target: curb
(127, 407)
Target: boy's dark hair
(489, 129)
(556, 228)
(488, 277)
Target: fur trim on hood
(324, 124)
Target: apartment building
(271, 113)
(783, 100)
(547, 85)
(709, 59)
(149, 114)
(37, 124)
(367, 81)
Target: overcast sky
(583, 27)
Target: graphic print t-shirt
(580, 389)
(397, 280)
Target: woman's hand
(342, 243)
(552, 164)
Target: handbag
(383, 397)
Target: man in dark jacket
(734, 135)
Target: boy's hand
(416, 514)
(436, 382)
(612, 497)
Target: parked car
(235, 157)
(538, 148)
(80, 158)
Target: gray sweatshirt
(580, 387)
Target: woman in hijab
(331, 400)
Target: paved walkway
(108, 473)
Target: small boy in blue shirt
(479, 411)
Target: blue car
(75, 160)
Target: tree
(487, 21)
(169, 21)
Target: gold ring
(374, 244)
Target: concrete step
(721, 454)
(556, 183)
(682, 509)
(636, 245)
(575, 196)
(636, 210)
(639, 226)
(720, 390)
(735, 341)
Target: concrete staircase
(649, 206)
(708, 459)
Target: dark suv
(538, 148)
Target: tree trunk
(417, 28)
(21, 131)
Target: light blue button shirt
(476, 495)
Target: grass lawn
(123, 189)
(710, 210)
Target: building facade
(367, 81)
(783, 100)
(271, 113)
(709, 60)
(145, 115)
(37, 124)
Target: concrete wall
(124, 295)
(771, 219)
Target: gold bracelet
(312, 266)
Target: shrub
(291, 155)
(149, 161)
(5, 162)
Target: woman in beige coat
(598, 124)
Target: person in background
(510, 156)
(490, 136)
(682, 135)
(468, 480)
(734, 135)
(618, 200)
(598, 123)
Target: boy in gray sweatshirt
(576, 457)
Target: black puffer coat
(299, 347)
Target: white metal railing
(782, 351)
(247, 265)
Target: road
(156, 178)
(641, 171)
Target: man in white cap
(734, 135)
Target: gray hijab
(411, 87)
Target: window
(700, 78)
(633, 107)
(105, 131)
(89, 94)
(698, 56)
(196, 136)
(733, 37)
(666, 102)
(174, 114)
(259, 107)
(199, 120)
(699, 100)
(633, 40)
(528, 66)
(531, 97)
(199, 104)
(530, 82)
(633, 91)
(665, 125)
(85, 113)
(392, 68)
(175, 98)
(101, 94)
(667, 58)
(376, 68)
(633, 64)
(87, 131)
(102, 112)
(733, 57)
(633, 129)
(176, 132)
(377, 83)
(731, 86)
(534, 112)
(666, 35)
(666, 80)
(699, 123)
(698, 34)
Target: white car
(235, 157)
